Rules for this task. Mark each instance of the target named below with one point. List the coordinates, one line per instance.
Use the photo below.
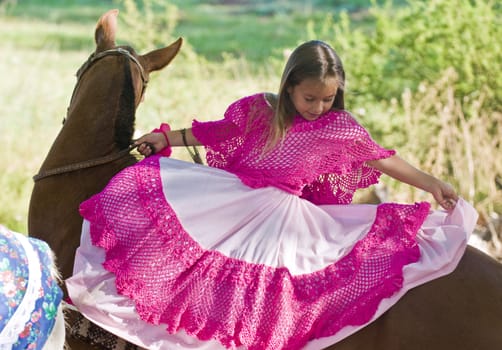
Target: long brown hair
(311, 60)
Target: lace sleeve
(339, 188)
(347, 169)
(222, 139)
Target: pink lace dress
(258, 250)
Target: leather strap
(194, 153)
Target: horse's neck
(89, 128)
(78, 141)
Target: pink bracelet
(164, 128)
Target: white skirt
(261, 227)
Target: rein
(111, 157)
(84, 165)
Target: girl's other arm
(401, 170)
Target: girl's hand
(445, 195)
(151, 143)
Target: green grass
(255, 30)
(59, 11)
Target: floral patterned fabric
(29, 294)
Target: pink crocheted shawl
(323, 161)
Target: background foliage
(423, 76)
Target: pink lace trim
(174, 281)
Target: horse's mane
(124, 122)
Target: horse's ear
(158, 59)
(105, 31)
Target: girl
(262, 248)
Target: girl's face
(312, 98)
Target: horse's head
(104, 37)
(114, 74)
(110, 86)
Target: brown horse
(94, 142)
(460, 311)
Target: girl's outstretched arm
(158, 140)
(403, 171)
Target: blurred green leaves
(419, 42)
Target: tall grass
(467, 151)
(33, 97)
